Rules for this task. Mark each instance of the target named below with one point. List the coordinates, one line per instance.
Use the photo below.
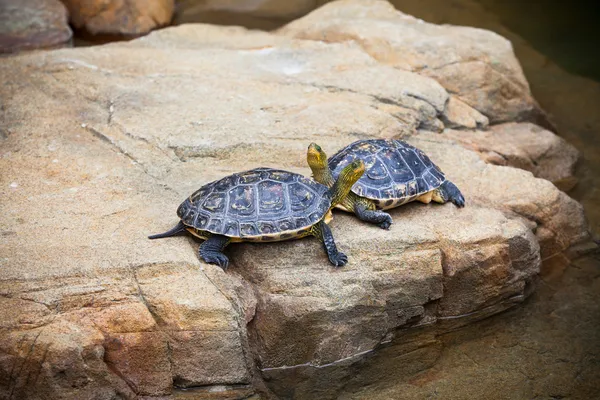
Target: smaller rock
(120, 17)
(32, 24)
(459, 115)
(525, 146)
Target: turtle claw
(452, 193)
(340, 260)
(386, 223)
(377, 217)
(458, 201)
(217, 259)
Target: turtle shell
(395, 171)
(263, 203)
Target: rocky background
(100, 145)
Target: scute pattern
(261, 202)
(394, 170)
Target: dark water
(565, 31)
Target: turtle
(396, 173)
(263, 205)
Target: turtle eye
(318, 147)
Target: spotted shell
(262, 203)
(395, 172)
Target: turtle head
(347, 178)
(317, 161)
(353, 171)
(316, 157)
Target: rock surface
(120, 17)
(32, 24)
(100, 145)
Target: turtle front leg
(449, 192)
(367, 213)
(211, 251)
(322, 232)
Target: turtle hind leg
(449, 192)
(378, 217)
(211, 250)
(322, 232)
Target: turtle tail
(180, 227)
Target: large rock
(32, 24)
(100, 145)
(120, 17)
